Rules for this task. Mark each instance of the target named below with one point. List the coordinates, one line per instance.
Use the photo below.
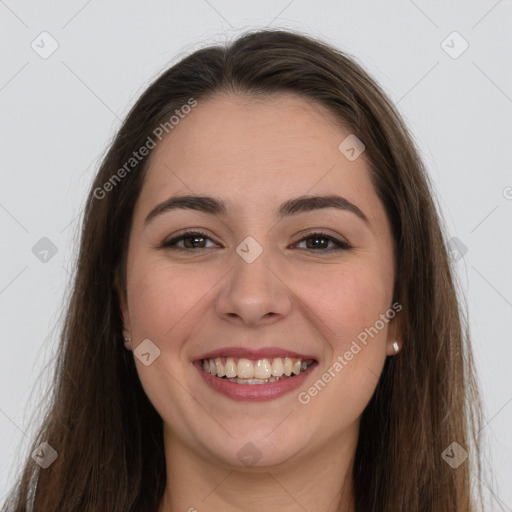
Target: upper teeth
(260, 369)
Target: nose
(254, 293)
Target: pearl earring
(396, 348)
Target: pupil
(194, 238)
(316, 245)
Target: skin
(255, 154)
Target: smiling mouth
(259, 371)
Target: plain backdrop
(59, 111)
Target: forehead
(256, 151)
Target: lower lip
(254, 392)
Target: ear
(394, 334)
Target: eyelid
(319, 231)
(339, 243)
(174, 239)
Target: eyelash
(171, 244)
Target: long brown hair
(107, 434)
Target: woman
(263, 314)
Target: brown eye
(317, 242)
(320, 242)
(191, 240)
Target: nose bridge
(253, 291)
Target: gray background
(58, 114)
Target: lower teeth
(236, 380)
(254, 381)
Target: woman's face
(259, 283)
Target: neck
(321, 480)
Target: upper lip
(252, 353)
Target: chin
(243, 451)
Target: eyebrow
(216, 206)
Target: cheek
(349, 303)
(165, 307)
(345, 299)
(164, 296)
